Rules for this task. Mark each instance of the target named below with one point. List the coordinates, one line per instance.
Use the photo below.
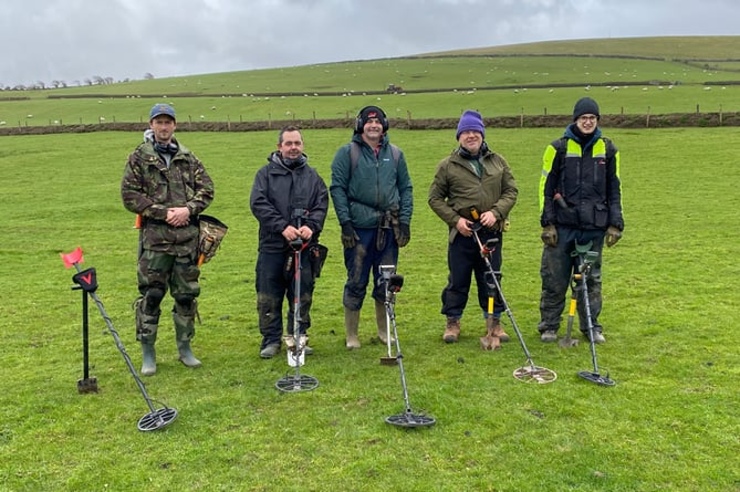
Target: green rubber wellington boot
(186, 354)
(148, 359)
(351, 325)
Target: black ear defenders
(359, 123)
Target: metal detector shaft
(584, 269)
(531, 372)
(119, 344)
(497, 286)
(399, 355)
(587, 306)
(296, 353)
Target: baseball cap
(162, 109)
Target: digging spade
(569, 342)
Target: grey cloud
(69, 40)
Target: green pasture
(640, 100)
(683, 75)
(670, 313)
(413, 74)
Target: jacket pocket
(567, 216)
(601, 215)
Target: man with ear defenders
(168, 187)
(373, 198)
(472, 178)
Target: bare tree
(148, 76)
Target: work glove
(612, 236)
(349, 236)
(404, 234)
(549, 236)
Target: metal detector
(87, 281)
(392, 283)
(297, 343)
(529, 372)
(585, 263)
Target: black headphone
(359, 124)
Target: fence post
(647, 118)
(720, 115)
(408, 118)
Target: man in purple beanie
(472, 187)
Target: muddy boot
(493, 326)
(148, 359)
(382, 322)
(452, 330)
(186, 354)
(351, 325)
(490, 341)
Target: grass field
(683, 75)
(670, 310)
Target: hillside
(528, 84)
(698, 48)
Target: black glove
(612, 236)
(404, 234)
(549, 236)
(349, 236)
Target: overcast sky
(71, 40)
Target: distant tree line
(61, 84)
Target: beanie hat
(585, 105)
(471, 120)
(371, 112)
(162, 109)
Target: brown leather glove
(549, 236)
(612, 236)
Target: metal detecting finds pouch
(212, 232)
(317, 253)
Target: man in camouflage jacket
(168, 187)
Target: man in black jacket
(290, 201)
(581, 202)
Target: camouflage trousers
(157, 274)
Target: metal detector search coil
(392, 283)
